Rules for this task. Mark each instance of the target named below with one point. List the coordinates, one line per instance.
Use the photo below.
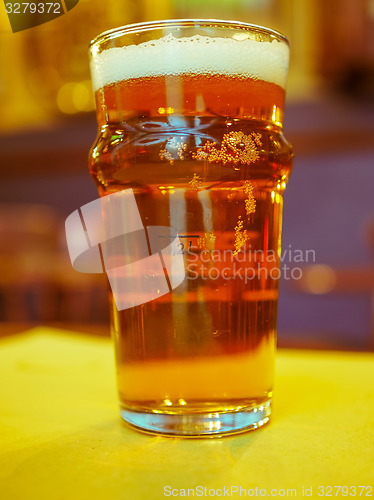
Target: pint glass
(190, 123)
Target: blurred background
(48, 125)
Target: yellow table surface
(61, 436)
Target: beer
(193, 126)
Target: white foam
(198, 54)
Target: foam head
(244, 57)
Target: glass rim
(218, 23)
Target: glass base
(213, 424)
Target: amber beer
(190, 116)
